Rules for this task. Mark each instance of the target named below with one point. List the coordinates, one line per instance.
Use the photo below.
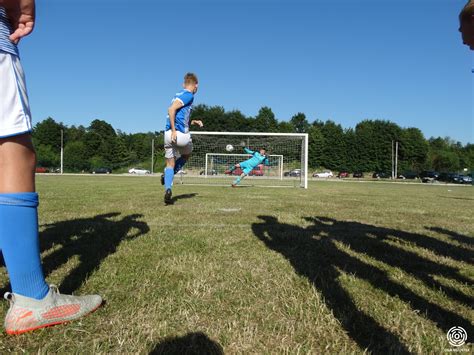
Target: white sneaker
(27, 314)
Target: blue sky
(122, 61)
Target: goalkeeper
(248, 165)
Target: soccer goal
(211, 159)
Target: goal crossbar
(302, 135)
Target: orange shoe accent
(18, 332)
(62, 311)
(27, 314)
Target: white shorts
(15, 116)
(183, 145)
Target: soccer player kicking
(177, 137)
(250, 164)
(33, 304)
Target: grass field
(339, 268)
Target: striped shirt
(5, 44)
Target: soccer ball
(229, 147)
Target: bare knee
(17, 164)
(170, 162)
(17, 151)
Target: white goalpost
(210, 162)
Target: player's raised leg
(238, 179)
(232, 168)
(180, 162)
(183, 147)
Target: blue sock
(20, 243)
(237, 181)
(169, 175)
(178, 165)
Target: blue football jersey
(181, 122)
(5, 44)
(256, 159)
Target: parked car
(466, 179)
(294, 173)
(381, 175)
(450, 177)
(324, 174)
(429, 176)
(408, 175)
(42, 170)
(358, 174)
(138, 171)
(211, 172)
(343, 174)
(102, 171)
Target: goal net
(210, 161)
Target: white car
(138, 171)
(324, 174)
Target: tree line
(366, 147)
(87, 148)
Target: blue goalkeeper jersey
(5, 44)
(181, 122)
(256, 159)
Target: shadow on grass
(91, 240)
(191, 344)
(314, 254)
(453, 235)
(182, 197)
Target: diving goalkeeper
(248, 165)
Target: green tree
(73, 133)
(46, 156)
(48, 133)
(413, 150)
(350, 145)
(75, 158)
(212, 117)
(236, 121)
(447, 155)
(446, 161)
(300, 123)
(333, 154)
(373, 144)
(97, 162)
(316, 145)
(467, 157)
(285, 127)
(100, 141)
(265, 121)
